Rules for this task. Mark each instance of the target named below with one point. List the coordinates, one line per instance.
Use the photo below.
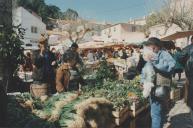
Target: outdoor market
(104, 91)
(62, 70)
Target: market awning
(97, 45)
(177, 35)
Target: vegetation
(105, 72)
(120, 93)
(93, 108)
(175, 12)
(11, 52)
(47, 11)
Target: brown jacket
(62, 77)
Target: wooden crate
(125, 113)
(120, 116)
(137, 108)
(175, 94)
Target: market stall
(108, 102)
(99, 106)
(177, 35)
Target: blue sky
(108, 10)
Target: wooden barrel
(38, 90)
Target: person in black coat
(186, 58)
(44, 62)
(73, 51)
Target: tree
(11, 51)
(39, 7)
(70, 15)
(179, 12)
(76, 30)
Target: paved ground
(179, 116)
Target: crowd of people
(156, 64)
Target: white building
(160, 31)
(139, 21)
(123, 32)
(32, 24)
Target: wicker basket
(38, 90)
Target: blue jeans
(158, 112)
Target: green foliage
(116, 92)
(40, 7)
(11, 51)
(19, 117)
(70, 14)
(105, 72)
(47, 11)
(154, 19)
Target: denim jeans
(158, 112)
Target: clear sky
(108, 10)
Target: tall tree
(76, 30)
(40, 7)
(70, 14)
(179, 12)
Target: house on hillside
(139, 21)
(123, 32)
(161, 31)
(33, 25)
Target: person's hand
(42, 49)
(53, 63)
(33, 66)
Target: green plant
(105, 72)
(11, 51)
(118, 92)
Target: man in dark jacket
(187, 59)
(44, 62)
(73, 51)
(189, 75)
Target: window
(34, 29)
(133, 29)
(33, 41)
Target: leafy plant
(105, 72)
(11, 51)
(116, 91)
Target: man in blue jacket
(164, 65)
